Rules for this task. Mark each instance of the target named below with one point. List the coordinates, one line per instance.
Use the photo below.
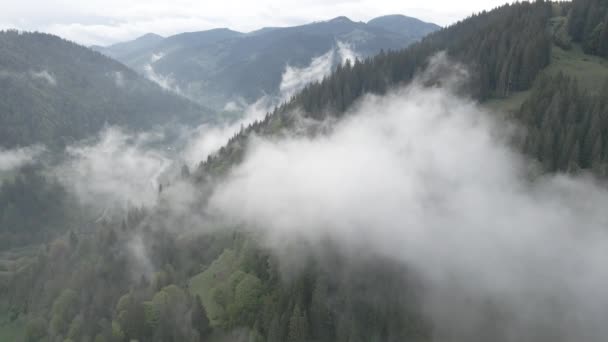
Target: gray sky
(108, 21)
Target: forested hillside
(566, 125)
(505, 50)
(55, 92)
(33, 208)
(151, 277)
(588, 25)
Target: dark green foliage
(53, 92)
(33, 208)
(505, 49)
(35, 330)
(566, 126)
(298, 326)
(339, 300)
(588, 25)
(200, 321)
(86, 284)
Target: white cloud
(232, 106)
(208, 139)
(45, 76)
(428, 179)
(97, 22)
(166, 82)
(114, 172)
(119, 79)
(15, 158)
(295, 79)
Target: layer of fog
(295, 79)
(41, 75)
(13, 159)
(166, 82)
(45, 76)
(420, 176)
(207, 139)
(115, 171)
(119, 79)
(427, 179)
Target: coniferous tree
(200, 321)
(298, 326)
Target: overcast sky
(108, 21)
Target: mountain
(139, 52)
(404, 25)
(528, 60)
(53, 92)
(128, 48)
(220, 66)
(148, 277)
(505, 50)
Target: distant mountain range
(221, 66)
(53, 91)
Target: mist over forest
(388, 180)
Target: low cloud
(208, 139)
(45, 76)
(115, 171)
(119, 79)
(428, 179)
(295, 79)
(166, 82)
(16, 158)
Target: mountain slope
(53, 91)
(514, 53)
(205, 286)
(123, 50)
(504, 49)
(404, 25)
(219, 66)
(138, 55)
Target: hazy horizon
(93, 23)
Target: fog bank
(428, 179)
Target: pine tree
(200, 321)
(298, 326)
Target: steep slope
(588, 25)
(138, 55)
(53, 91)
(523, 61)
(240, 285)
(219, 66)
(504, 49)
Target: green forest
(67, 278)
(56, 92)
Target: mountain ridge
(227, 283)
(250, 65)
(55, 91)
